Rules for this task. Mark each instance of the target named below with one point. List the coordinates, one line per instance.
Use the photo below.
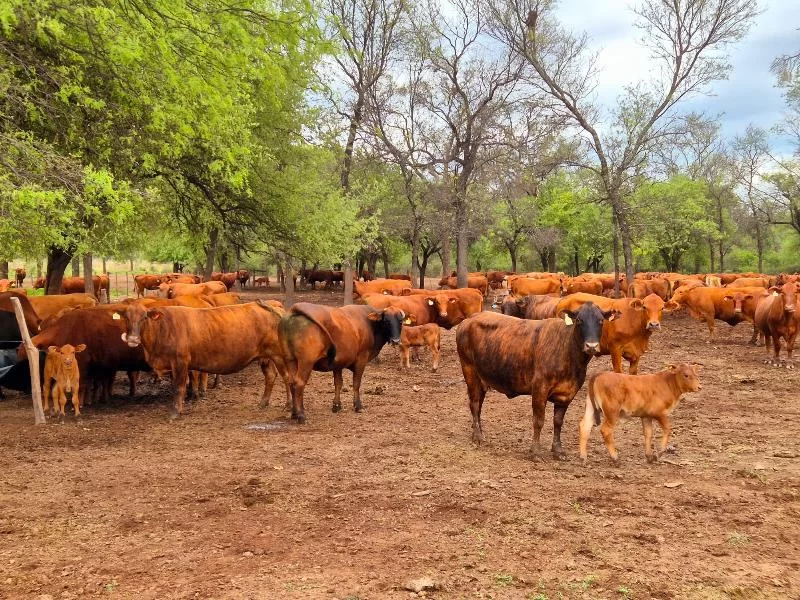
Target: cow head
(136, 317)
(789, 293)
(391, 320)
(654, 307)
(686, 376)
(589, 321)
(738, 300)
(441, 303)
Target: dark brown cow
(175, 340)
(627, 336)
(145, 282)
(531, 307)
(19, 276)
(242, 276)
(314, 276)
(320, 338)
(105, 352)
(367, 276)
(258, 281)
(776, 317)
(9, 330)
(39, 283)
(546, 359)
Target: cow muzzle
(790, 309)
(592, 348)
(737, 310)
(131, 340)
(394, 341)
(654, 326)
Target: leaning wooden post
(33, 362)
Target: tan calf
(61, 372)
(616, 395)
(422, 335)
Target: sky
(748, 96)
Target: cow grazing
(62, 377)
(546, 359)
(175, 339)
(320, 338)
(145, 282)
(419, 336)
(707, 304)
(615, 395)
(776, 317)
(261, 281)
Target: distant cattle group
(538, 342)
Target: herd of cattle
(539, 341)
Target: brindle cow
(546, 359)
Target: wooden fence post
(33, 362)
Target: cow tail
(595, 408)
(331, 354)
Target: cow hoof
(584, 461)
(358, 408)
(652, 458)
(616, 462)
(559, 456)
(336, 408)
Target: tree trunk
(615, 251)
(288, 281)
(551, 260)
(627, 244)
(711, 255)
(348, 282)
(104, 265)
(76, 266)
(462, 243)
(39, 268)
(224, 261)
(57, 261)
(423, 268)
(445, 254)
(721, 257)
(131, 265)
(88, 285)
(415, 253)
(385, 259)
(211, 252)
(577, 263)
(3, 269)
(355, 122)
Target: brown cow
(183, 278)
(172, 290)
(174, 340)
(711, 281)
(418, 336)
(76, 285)
(144, 282)
(226, 278)
(575, 286)
(750, 282)
(627, 336)
(496, 278)
(643, 288)
(259, 281)
(39, 283)
(468, 302)
(707, 304)
(434, 307)
(242, 276)
(47, 306)
(226, 299)
(524, 286)
(394, 287)
(646, 396)
(9, 330)
(320, 338)
(403, 276)
(19, 276)
(776, 317)
(62, 376)
(5, 285)
(546, 359)
(475, 282)
(530, 307)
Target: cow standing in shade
(546, 359)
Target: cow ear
(375, 316)
(52, 349)
(568, 316)
(748, 296)
(80, 348)
(727, 298)
(453, 300)
(405, 292)
(774, 288)
(671, 305)
(670, 366)
(154, 314)
(637, 304)
(611, 314)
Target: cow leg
(405, 358)
(710, 323)
(76, 403)
(616, 360)
(415, 353)
(538, 406)
(337, 390)
(666, 431)
(633, 365)
(301, 375)
(217, 381)
(358, 373)
(203, 383)
(559, 410)
(776, 348)
(647, 426)
(435, 352)
(180, 375)
(585, 430)
(789, 349)
(133, 377)
(270, 372)
(754, 339)
(46, 396)
(607, 431)
(476, 393)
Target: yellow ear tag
(775, 294)
(407, 321)
(116, 316)
(567, 320)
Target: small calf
(61, 372)
(650, 397)
(422, 335)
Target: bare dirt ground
(127, 504)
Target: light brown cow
(422, 335)
(525, 286)
(145, 282)
(641, 288)
(394, 287)
(707, 304)
(47, 306)
(649, 397)
(173, 290)
(586, 286)
(750, 282)
(475, 282)
(61, 376)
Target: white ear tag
(567, 320)
(775, 293)
(116, 316)
(407, 321)
(430, 302)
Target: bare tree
(472, 83)
(686, 39)
(368, 32)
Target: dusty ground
(128, 504)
